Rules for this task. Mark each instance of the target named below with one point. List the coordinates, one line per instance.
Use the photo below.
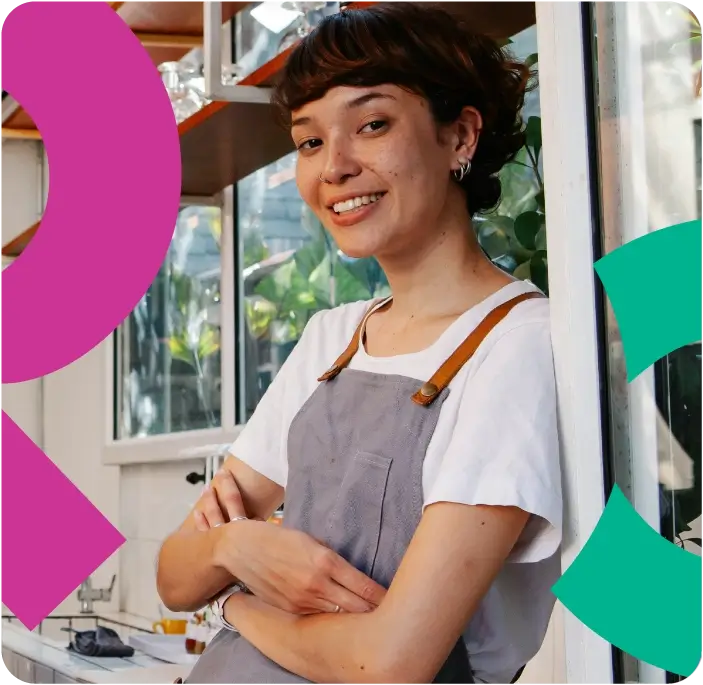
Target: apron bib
(355, 458)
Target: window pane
(168, 348)
(265, 29)
(647, 87)
(290, 269)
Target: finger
(356, 582)
(228, 494)
(337, 596)
(210, 507)
(200, 521)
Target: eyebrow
(352, 104)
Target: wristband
(218, 604)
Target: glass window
(168, 360)
(265, 29)
(290, 267)
(647, 88)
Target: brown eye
(310, 144)
(376, 125)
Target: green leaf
(538, 270)
(531, 60)
(267, 289)
(493, 238)
(259, 314)
(522, 271)
(179, 350)
(527, 226)
(533, 133)
(209, 343)
(541, 238)
(540, 200)
(308, 257)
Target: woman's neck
(448, 275)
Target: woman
(414, 438)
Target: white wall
(21, 188)
(63, 413)
(155, 499)
(74, 434)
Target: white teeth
(355, 202)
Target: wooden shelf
(168, 31)
(226, 141)
(15, 247)
(171, 18)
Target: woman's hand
(285, 568)
(220, 502)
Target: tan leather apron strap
(346, 356)
(441, 379)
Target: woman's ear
(466, 130)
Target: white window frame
(562, 74)
(185, 445)
(627, 177)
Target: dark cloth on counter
(99, 642)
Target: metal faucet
(87, 594)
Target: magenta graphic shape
(52, 536)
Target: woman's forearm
(323, 648)
(188, 574)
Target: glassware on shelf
(304, 9)
(185, 99)
(231, 75)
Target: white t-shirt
(495, 443)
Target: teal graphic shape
(654, 286)
(629, 584)
(637, 590)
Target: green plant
(192, 340)
(315, 277)
(693, 44)
(514, 235)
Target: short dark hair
(430, 53)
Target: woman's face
(387, 167)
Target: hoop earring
(463, 170)
(323, 180)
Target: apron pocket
(355, 523)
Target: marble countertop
(52, 653)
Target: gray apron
(355, 456)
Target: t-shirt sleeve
(262, 443)
(504, 448)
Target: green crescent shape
(629, 584)
(637, 590)
(654, 286)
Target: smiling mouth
(355, 203)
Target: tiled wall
(154, 500)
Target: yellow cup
(170, 626)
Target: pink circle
(115, 177)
